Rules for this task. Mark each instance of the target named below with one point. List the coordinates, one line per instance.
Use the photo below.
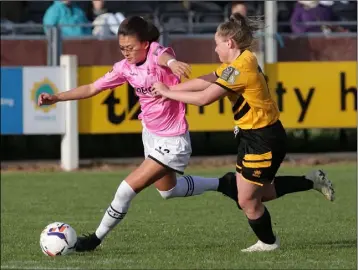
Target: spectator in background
(346, 11)
(97, 8)
(239, 7)
(311, 11)
(105, 23)
(66, 12)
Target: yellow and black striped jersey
(252, 104)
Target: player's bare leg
(145, 175)
(167, 182)
(282, 185)
(149, 172)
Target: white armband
(170, 61)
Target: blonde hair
(241, 29)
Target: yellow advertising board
(315, 94)
(309, 94)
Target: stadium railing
(169, 31)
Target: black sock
(227, 186)
(262, 228)
(291, 184)
(283, 185)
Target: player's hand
(180, 68)
(46, 99)
(159, 89)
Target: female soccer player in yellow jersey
(261, 136)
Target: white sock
(190, 186)
(117, 210)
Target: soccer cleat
(227, 186)
(87, 243)
(261, 246)
(322, 184)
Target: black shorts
(261, 152)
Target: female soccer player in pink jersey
(165, 133)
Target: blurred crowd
(103, 17)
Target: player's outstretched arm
(81, 92)
(198, 98)
(197, 84)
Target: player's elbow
(198, 99)
(202, 103)
(199, 102)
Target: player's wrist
(171, 61)
(58, 97)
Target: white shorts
(172, 152)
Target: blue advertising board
(11, 101)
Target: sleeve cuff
(225, 87)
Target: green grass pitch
(199, 232)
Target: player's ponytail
(139, 27)
(241, 29)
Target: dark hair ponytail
(139, 27)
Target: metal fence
(52, 34)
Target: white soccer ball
(58, 239)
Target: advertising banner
(308, 94)
(11, 101)
(315, 94)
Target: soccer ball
(58, 239)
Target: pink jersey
(163, 118)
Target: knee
(243, 203)
(249, 205)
